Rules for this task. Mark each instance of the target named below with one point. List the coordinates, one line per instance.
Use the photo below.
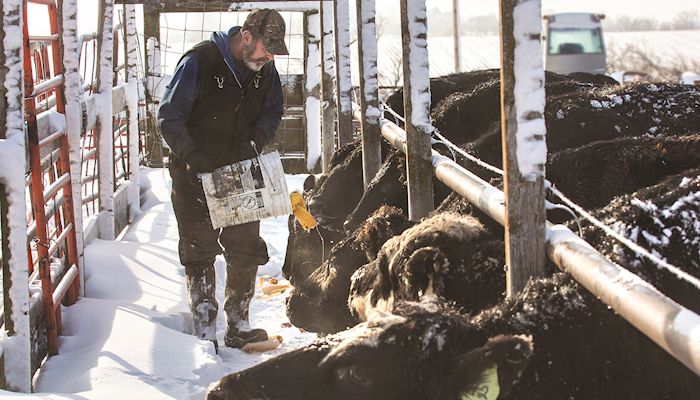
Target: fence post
(151, 29)
(369, 89)
(16, 347)
(342, 69)
(416, 97)
(132, 107)
(328, 103)
(523, 130)
(312, 88)
(456, 20)
(73, 91)
(103, 127)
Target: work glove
(199, 162)
(247, 151)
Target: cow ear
(492, 369)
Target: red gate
(50, 184)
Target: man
(223, 104)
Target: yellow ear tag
(302, 214)
(487, 388)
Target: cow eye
(353, 375)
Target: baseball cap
(270, 25)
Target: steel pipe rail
(64, 285)
(44, 38)
(51, 138)
(47, 85)
(667, 323)
(59, 240)
(52, 189)
(49, 211)
(44, 2)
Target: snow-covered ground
(128, 338)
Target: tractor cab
(574, 43)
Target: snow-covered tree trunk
(327, 85)
(524, 137)
(132, 108)
(15, 337)
(73, 93)
(343, 73)
(105, 152)
(414, 32)
(313, 89)
(369, 89)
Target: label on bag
(247, 191)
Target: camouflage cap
(270, 25)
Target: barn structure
(78, 122)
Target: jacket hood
(223, 42)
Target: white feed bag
(247, 191)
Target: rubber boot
(201, 287)
(240, 288)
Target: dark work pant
(199, 242)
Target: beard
(253, 65)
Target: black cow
(593, 174)
(553, 341)
(664, 219)
(448, 255)
(319, 303)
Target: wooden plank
(341, 12)
(154, 147)
(327, 86)
(456, 36)
(103, 128)
(416, 108)
(312, 87)
(369, 90)
(524, 189)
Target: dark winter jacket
(204, 107)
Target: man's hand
(247, 151)
(199, 161)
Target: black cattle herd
(418, 310)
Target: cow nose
(216, 394)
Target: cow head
(429, 352)
(412, 265)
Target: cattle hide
(663, 219)
(553, 341)
(443, 256)
(319, 303)
(592, 175)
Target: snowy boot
(201, 287)
(240, 288)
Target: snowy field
(128, 338)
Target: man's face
(255, 56)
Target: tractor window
(574, 41)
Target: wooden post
(74, 92)
(151, 30)
(103, 127)
(416, 95)
(342, 69)
(456, 35)
(312, 87)
(327, 85)
(369, 90)
(132, 107)
(525, 150)
(13, 226)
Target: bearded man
(223, 104)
